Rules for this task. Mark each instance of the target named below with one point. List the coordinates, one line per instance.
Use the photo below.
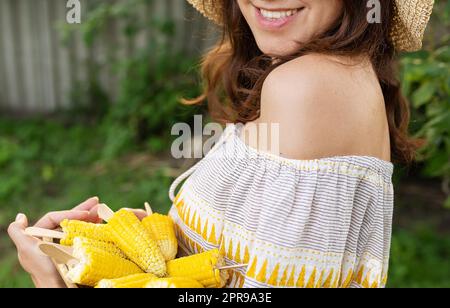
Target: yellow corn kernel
(137, 281)
(162, 230)
(76, 228)
(202, 267)
(174, 283)
(130, 235)
(94, 264)
(105, 246)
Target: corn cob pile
(128, 253)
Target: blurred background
(87, 110)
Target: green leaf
(437, 165)
(443, 53)
(424, 94)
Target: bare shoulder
(326, 107)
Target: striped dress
(296, 223)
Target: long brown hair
(235, 69)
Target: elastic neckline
(369, 162)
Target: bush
(419, 259)
(38, 150)
(426, 81)
(151, 81)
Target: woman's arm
(41, 269)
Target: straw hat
(410, 20)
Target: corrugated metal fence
(38, 72)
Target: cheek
(246, 10)
(327, 12)
(321, 15)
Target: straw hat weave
(410, 20)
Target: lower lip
(276, 23)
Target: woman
(317, 211)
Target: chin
(277, 47)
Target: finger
(141, 214)
(93, 215)
(53, 219)
(16, 230)
(87, 205)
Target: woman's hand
(41, 269)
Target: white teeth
(277, 14)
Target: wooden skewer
(44, 233)
(222, 268)
(59, 253)
(104, 212)
(62, 257)
(183, 249)
(148, 208)
(63, 269)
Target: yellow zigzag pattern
(314, 278)
(236, 280)
(300, 276)
(193, 220)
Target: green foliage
(426, 81)
(152, 80)
(419, 259)
(149, 102)
(53, 159)
(38, 150)
(11, 274)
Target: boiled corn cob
(174, 283)
(105, 246)
(129, 234)
(75, 228)
(201, 267)
(94, 264)
(129, 282)
(162, 230)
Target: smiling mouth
(274, 15)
